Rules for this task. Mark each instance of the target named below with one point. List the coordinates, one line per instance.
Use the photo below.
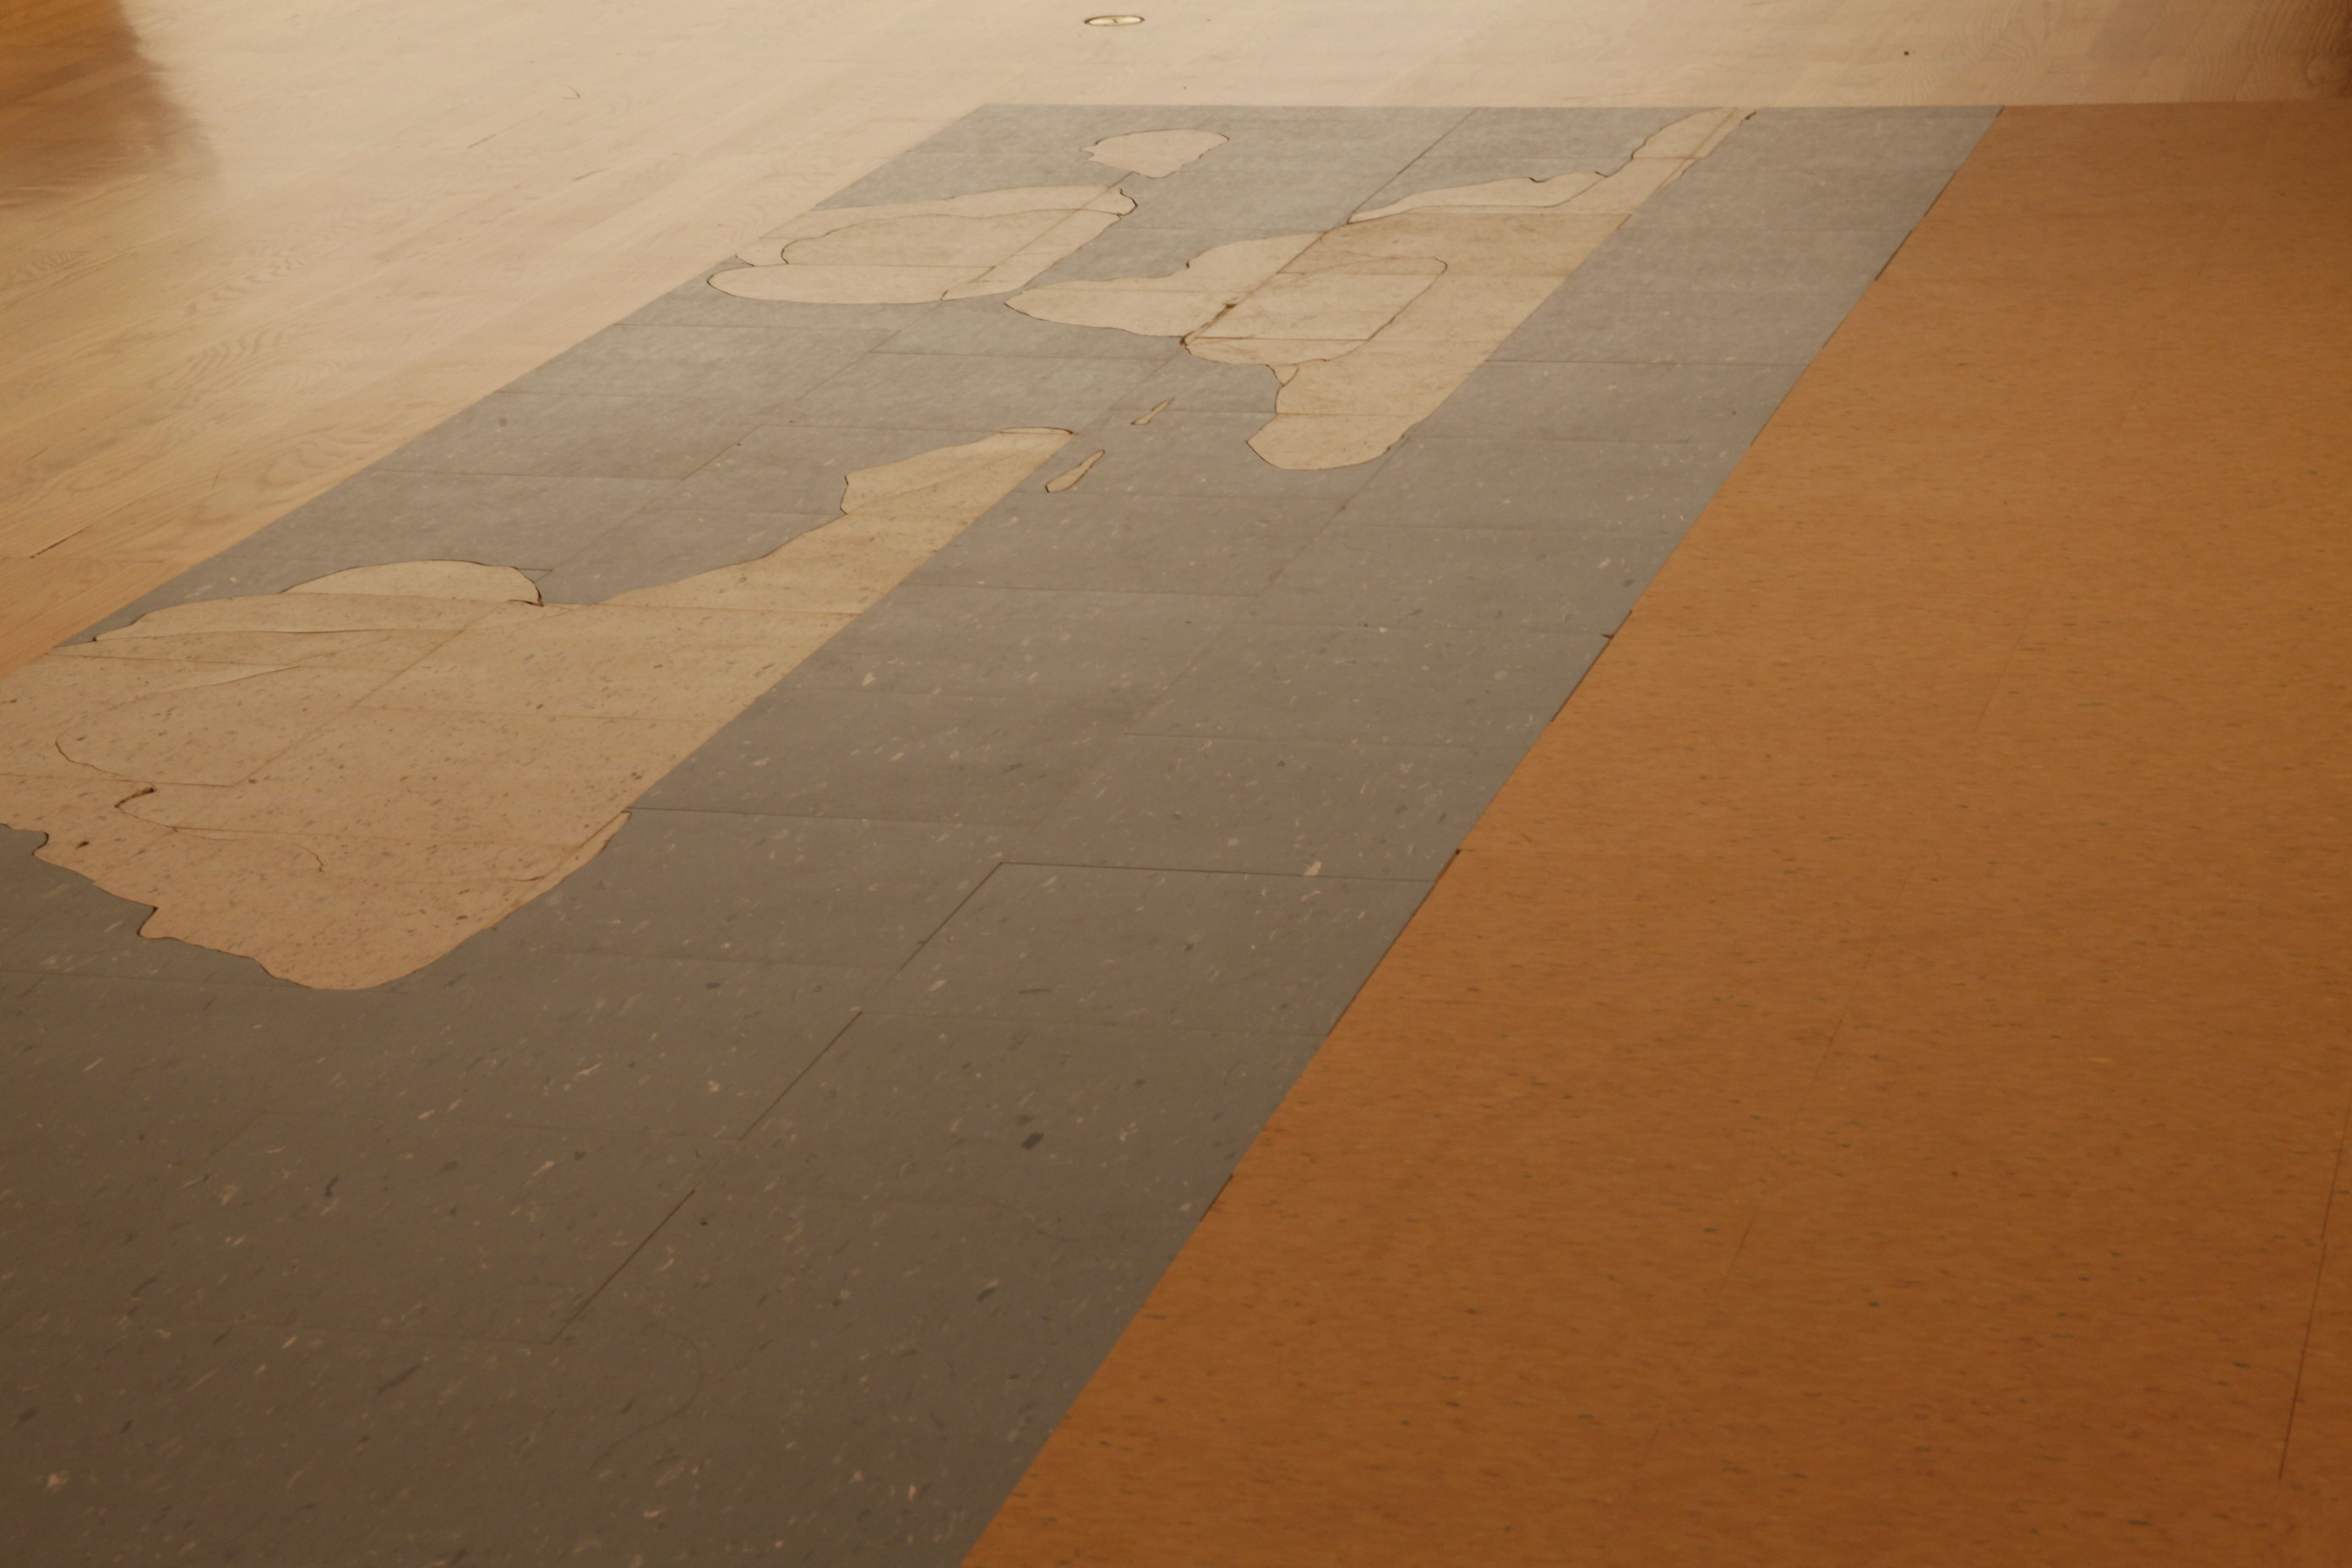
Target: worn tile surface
(768, 1189)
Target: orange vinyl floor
(1871, 1093)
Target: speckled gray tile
(1203, 950)
(1417, 686)
(827, 891)
(910, 756)
(880, 1373)
(97, 1065)
(757, 364)
(1189, 386)
(994, 391)
(1042, 1119)
(1148, 251)
(1926, 137)
(440, 1228)
(1266, 197)
(76, 928)
(1460, 481)
(992, 327)
(1740, 260)
(663, 546)
(695, 303)
(506, 520)
(608, 1042)
(1713, 404)
(1185, 453)
(1589, 138)
(779, 468)
(409, 1448)
(1129, 544)
(1115, 650)
(236, 570)
(1514, 580)
(576, 435)
(1286, 806)
(1689, 326)
(1821, 198)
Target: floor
(1855, 1081)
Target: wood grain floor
(254, 246)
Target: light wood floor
(253, 245)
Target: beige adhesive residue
(1155, 154)
(1371, 326)
(963, 247)
(346, 780)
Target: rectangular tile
(1911, 137)
(1129, 544)
(911, 756)
(1115, 650)
(1731, 197)
(994, 391)
(695, 303)
(1576, 401)
(1183, 453)
(1686, 326)
(992, 327)
(760, 365)
(1513, 580)
(1199, 949)
(679, 1048)
(805, 470)
(1461, 481)
(1740, 261)
(1048, 1118)
(826, 891)
(1418, 686)
(576, 435)
(77, 928)
(438, 1227)
(1282, 806)
(1596, 138)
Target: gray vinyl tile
(992, 327)
(439, 1227)
(1131, 544)
(1280, 806)
(662, 545)
(1138, 250)
(721, 886)
(907, 756)
(1689, 326)
(879, 1374)
(1201, 454)
(1048, 1120)
(1712, 196)
(1906, 138)
(805, 470)
(607, 1042)
(995, 392)
(1511, 580)
(1189, 385)
(1261, 196)
(1601, 139)
(1202, 950)
(409, 1448)
(1462, 481)
(1378, 139)
(1111, 651)
(76, 928)
(695, 303)
(757, 364)
(1562, 400)
(250, 567)
(526, 522)
(1418, 686)
(102, 1067)
(1740, 261)
(61, 1215)
(575, 434)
